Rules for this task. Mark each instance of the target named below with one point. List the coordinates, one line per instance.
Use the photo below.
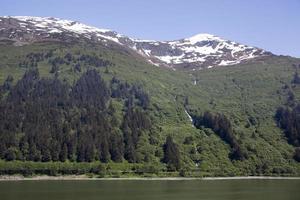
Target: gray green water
(154, 190)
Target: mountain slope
(199, 51)
(247, 95)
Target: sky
(273, 25)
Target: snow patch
(171, 59)
(140, 40)
(202, 37)
(150, 61)
(202, 50)
(55, 31)
(147, 52)
(109, 38)
(228, 62)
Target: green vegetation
(144, 105)
(57, 122)
(171, 155)
(221, 126)
(96, 169)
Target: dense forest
(289, 120)
(221, 125)
(288, 116)
(46, 119)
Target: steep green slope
(247, 94)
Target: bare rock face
(199, 51)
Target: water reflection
(152, 190)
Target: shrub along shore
(16, 170)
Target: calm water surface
(154, 190)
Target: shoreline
(86, 178)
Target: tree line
(31, 60)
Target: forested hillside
(65, 105)
(47, 120)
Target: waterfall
(189, 116)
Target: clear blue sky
(270, 24)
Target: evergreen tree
(2, 150)
(24, 147)
(296, 78)
(46, 156)
(90, 91)
(116, 147)
(63, 153)
(297, 154)
(129, 152)
(171, 154)
(89, 153)
(11, 154)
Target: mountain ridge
(196, 52)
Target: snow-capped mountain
(199, 51)
(202, 50)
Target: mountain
(78, 100)
(199, 51)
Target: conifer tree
(171, 154)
